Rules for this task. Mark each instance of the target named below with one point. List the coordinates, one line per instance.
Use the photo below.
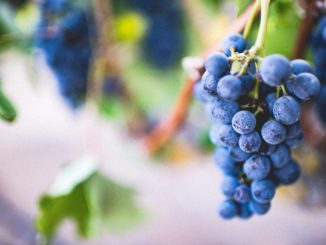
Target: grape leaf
(92, 201)
(7, 110)
(242, 6)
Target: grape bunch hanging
(254, 103)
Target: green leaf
(243, 5)
(7, 110)
(95, 204)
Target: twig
(311, 14)
(165, 130)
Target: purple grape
(273, 132)
(287, 110)
(275, 69)
(257, 167)
(229, 88)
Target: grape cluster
(64, 34)
(163, 44)
(318, 45)
(255, 106)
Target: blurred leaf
(243, 5)
(7, 110)
(94, 202)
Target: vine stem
(254, 12)
(260, 41)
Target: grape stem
(251, 19)
(260, 41)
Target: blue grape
(227, 136)
(263, 191)
(273, 132)
(198, 93)
(294, 135)
(217, 64)
(229, 88)
(228, 209)
(287, 110)
(288, 174)
(289, 85)
(247, 83)
(259, 208)
(257, 167)
(300, 66)
(235, 41)
(224, 161)
(275, 70)
(270, 100)
(244, 122)
(209, 83)
(250, 142)
(242, 194)
(320, 104)
(239, 155)
(305, 86)
(245, 211)
(229, 185)
(223, 111)
(281, 156)
(266, 149)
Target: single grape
(288, 174)
(294, 135)
(223, 111)
(281, 156)
(250, 142)
(244, 122)
(242, 194)
(300, 66)
(235, 41)
(257, 167)
(209, 83)
(259, 208)
(263, 191)
(245, 211)
(270, 100)
(239, 155)
(227, 136)
(228, 209)
(287, 110)
(305, 86)
(229, 185)
(275, 69)
(247, 83)
(217, 64)
(273, 132)
(229, 88)
(289, 85)
(200, 95)
(224, 161)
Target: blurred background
(83, 161)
